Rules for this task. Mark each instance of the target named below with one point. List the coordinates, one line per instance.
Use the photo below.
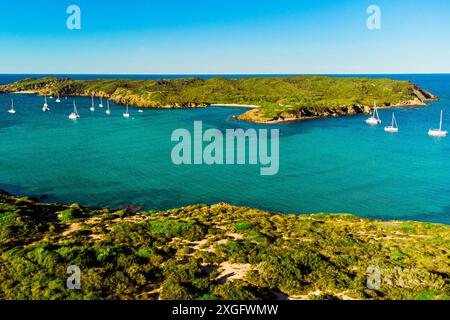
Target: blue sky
(218, 36)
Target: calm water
(328, 165)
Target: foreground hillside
(278, 98)
(215, 252)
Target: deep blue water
(328, 165)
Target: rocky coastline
(169, 94)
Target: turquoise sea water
(328, 165)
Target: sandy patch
(72, 228)
(233, 271)
(235, 236)
(308, 296)
(234, 105)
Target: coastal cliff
(215, 252)
(416, 97)
(273, 99)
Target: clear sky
(224, 36)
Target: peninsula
(216, 252)
(271, 99)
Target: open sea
(338, 165)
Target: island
(216, 251)
(270, 99)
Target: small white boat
(101, 103)
(393, 127)
(74, 115)
(140, 110)
(375, 118)
(438, 132)
(126, 114)
(45, 107)
(92, 104)
(108, 110)
(58, 100)
(12, 111)
(51, 97)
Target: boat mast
(440, 123)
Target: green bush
(172, 290)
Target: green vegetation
(278, 98)
(215, 252)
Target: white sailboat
(12, 111)
(101, 103)
(140, 111)
(108, 110)
(45, 107)
(74, 115)
(375, 118)
(126, 114)
(58, 100)
(394, 126)
(92, 104)
(438, 132)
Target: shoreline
(24, 92)
(408, 104)
(256, 254)
(291, 120)
(40, 199)
(280, 100)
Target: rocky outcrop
(419, 97)
(287, 101)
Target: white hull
(375, 118)
(92, 109)
(391, 129)
(100, 105)
(140, 111)
(108, 109)
(11, 110)
(57, 100)
(126, 113)
(73, 116)
(373, 121)
(45, 107)
(437, 133)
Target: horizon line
(231, 74)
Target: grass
(279, 98)
(180, 253)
